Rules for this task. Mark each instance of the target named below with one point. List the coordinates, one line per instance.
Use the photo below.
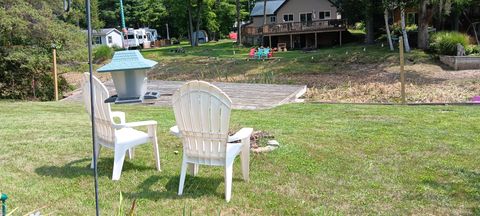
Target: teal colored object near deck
(4, 198)
(129, 74)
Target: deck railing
(295, 27)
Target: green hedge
(445, 43)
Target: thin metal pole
(90, 67)
(402, 70)
(124, 26)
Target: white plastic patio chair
(119, 137)
(202, 113)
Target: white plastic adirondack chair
(119, 137)
(202, 113)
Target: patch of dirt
(381, 83)
(75, 78)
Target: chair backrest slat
(202, 112)
(104, 131)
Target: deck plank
(243, 95)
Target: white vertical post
(168, 33)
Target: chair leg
(131, 153)
(183, 173)
(98, 155)
(194, 168)
(245, 159)
(228, 181)
(152, 132)
(118, 159)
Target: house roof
(104, 31)
(272, 7)
(127, 60)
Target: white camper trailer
(142, 37)
(132, 38)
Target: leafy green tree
(27, 33)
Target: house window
(110, 40)
(288, 18)
(324, 15)
(97, 40)
(273, 19)
(306, 17)
(411, 18)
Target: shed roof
(105, 31)
(127, 60)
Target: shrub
(445, 43)
(102, 53)
(472, 50)
(397, 28)
(360, 26)
(27, 33)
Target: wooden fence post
(402, 70)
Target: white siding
(296, 7)
(116, 39)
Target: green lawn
(222, 61)
(334, 159)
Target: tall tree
(199, 19)
(239, 25)
(424, 16)
(404, 30)
(387, 25)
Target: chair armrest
(241, 134)
(135, 124)
(120, 115)
(175, 131)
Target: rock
(264, 149)
(273, 143)
(460, 50)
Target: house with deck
(296, 24)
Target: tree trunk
(190, 23)
(404, 30)
(440, 15)
(456, 20)
(239, 26)
(370, 36)
(199, 18)
(423, 20)
(264, 17)
(387, 29)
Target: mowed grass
(224, 61)
(334, 159)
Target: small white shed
(109, 36)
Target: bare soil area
(380, 83)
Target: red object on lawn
(252, 53)
(233, 35)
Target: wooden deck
(243, 95)
(317, 26)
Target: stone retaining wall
(461, 62)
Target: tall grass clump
(445, 43)
(102, 53)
